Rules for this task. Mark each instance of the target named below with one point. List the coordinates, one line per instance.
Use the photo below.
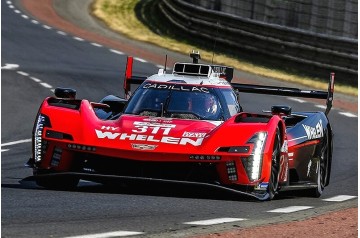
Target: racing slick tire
(275, 167)
(323, 171)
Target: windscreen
(173, 100)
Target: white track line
(47, 27)
(61, 33)
(339, 198)
(347, 114)
(10, 66)
(290, 209)
(108, 234)
(16, 142)
(140, 59)
(36, 79)
(117, 52)
(320, 106)
(46, 85)
(34, 21)
(24, 16)
(22, 73)
(96, 44)
(78, 38)
(4, 150)
(17, 11)
(214, 221)
(297, 100)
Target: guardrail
(311, 53)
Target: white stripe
(117, 52)
(4, 150)
(10, 66)
(34, 21)
(36, 79)
(17, 11)
(78, 38)
(298, 138)
(339, 198)
(24, 16)
(96, 44)
(61, 33)
(347, 114)
(321, 106)
(108, 234)
(139, 59)
(22, 73)
(290, 209)
(46, 85)
(214, 221)
(8, 2)
(160, 66)
(16, 142)
(11, 6)
(297, 100)
(47, 27)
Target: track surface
(49, 58)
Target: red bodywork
(159, 140)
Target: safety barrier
(313, 54)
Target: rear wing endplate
(292, 92)
(129, 78)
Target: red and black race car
(184, 127)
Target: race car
(184, 127)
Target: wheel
(57, 183)
(323, 172)
(275, 166)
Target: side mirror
(65, 93)
(279, 109)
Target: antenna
(165, 63)
(217, 33)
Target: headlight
(41, 122)
(253, 163)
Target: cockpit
(183, 101)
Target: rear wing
(292, 92)
(129, 78)
(227, 73)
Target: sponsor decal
(149, 138)
(159, 120)
(314, 132)
(194, 134)
(143, 146)
(177, 87)
(149, 132)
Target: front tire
(275, 166)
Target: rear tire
(275, 166)
(323, 171)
